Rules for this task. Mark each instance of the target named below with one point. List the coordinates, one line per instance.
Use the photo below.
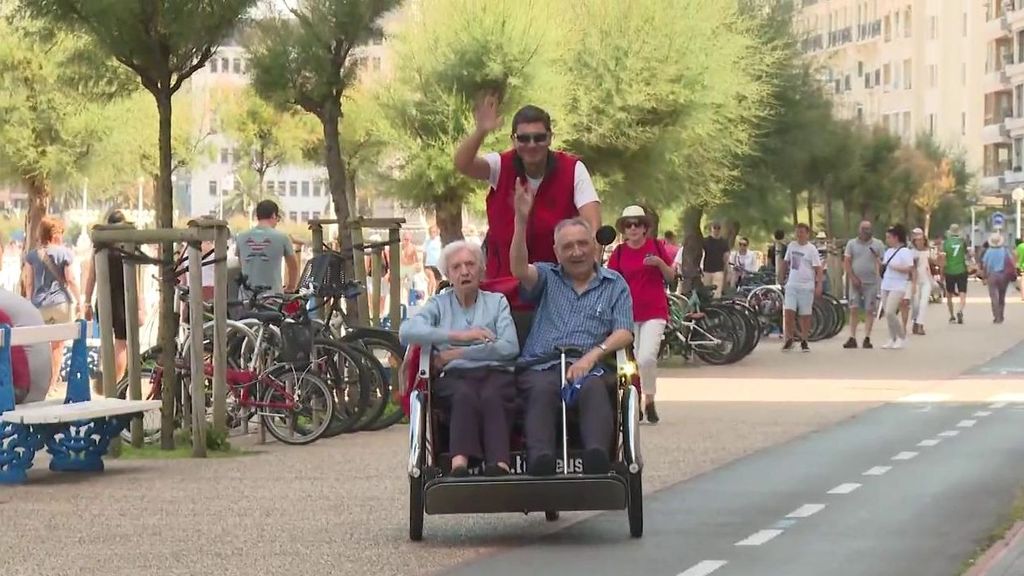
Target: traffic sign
(998, 220)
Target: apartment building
(919, 66)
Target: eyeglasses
(632, 224)
(536, 138)
(743, 244)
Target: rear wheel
(635, 508)
(310, 406)
(552, 515)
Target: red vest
(555, 201)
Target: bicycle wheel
(298, 405)
(387, 353)
(717, 325)
(346, 372)
(151, 420)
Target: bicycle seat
(264, 316)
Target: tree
(307, 59)
(938, 185)
(447, 55)
(54, 88)
(164, 42)
(271, 136)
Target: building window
(860, 113)
(931, 124)
(965, 24)
(293, 216)
(906, 23)
(225, 65)
(236, 66)
(270, 187)
(935, 27)
(305, 216)
(282, 188)
(316, 215)
(375, 62)
(867, 81)
(293, 189)
(860, 68)
(906, 125)
(963, 123)
(878, 77)
(907, 72)
(846, 83)
(305, 188)
(225, 156)
(213, 65)
(963, 73)
(886, 76)
(933, 75)
(213, 187)
(887, 27)
(317, 187)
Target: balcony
(1015, 126)
(812, 43)
(837, 38)
(1013, 176)
(992, 183)
(995, 134)
(996, 82)
(869, 30)
(1015, 71)
(994, 28)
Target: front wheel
(298, 406)
(635, 507)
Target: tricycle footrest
(474, 495)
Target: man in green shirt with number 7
(954, 270)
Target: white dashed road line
(949, 433)
(877, 471)
(905, 456)
(806, 511)
(998, 405)
(929, 442)
(703, 568)
(844, 488)
(966, 423)
(982, 413)
(759, 537)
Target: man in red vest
(561, 183)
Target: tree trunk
(168, 320)
(693, 249)
(829, 227)
(38, 205)
(448, 215)
(732, 231)
(330, 118)
(810, 208)
(847, 218)
(793, 205)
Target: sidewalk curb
(992, 556)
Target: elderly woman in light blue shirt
(475, 344)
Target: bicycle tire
(152, 421)
(384, 347)
(351, 396)
(311, 385)
(717, 325)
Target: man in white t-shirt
(742, 261)
(559, 181)
(802, 274)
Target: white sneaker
(889, 345)
(899, 344)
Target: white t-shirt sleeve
(679, 257)
(815, 258)
(583, 187)
(494, 161)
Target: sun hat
(633, 213)
(954, 230)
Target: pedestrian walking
(898, 273)
(862, 261)
(953, 259)
(801, 269)
(431, 259)
(645, 265)
(999, 269)
(49, 284)
(922, 288)
(716, 259)
(742, 261)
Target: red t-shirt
(646, 284)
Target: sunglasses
(632, 224)
(536, 138)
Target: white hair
(458, 246)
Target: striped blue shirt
(443, 314)
(567, 318)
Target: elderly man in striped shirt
(579, 305)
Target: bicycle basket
(324, 275)
(297, 342)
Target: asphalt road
(904, 489)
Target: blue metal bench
(76, 431)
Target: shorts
(56, 314)
(864, 298)
(956, 283)
(799, 299)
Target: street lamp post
(1018, 195)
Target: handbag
(1009, 266)
(886, 265)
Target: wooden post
(395, 272)
(377, 279)
(131, 318)
(198, 377)
(105, 308)
(317, 231)
(359, 267)
(219, 231)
